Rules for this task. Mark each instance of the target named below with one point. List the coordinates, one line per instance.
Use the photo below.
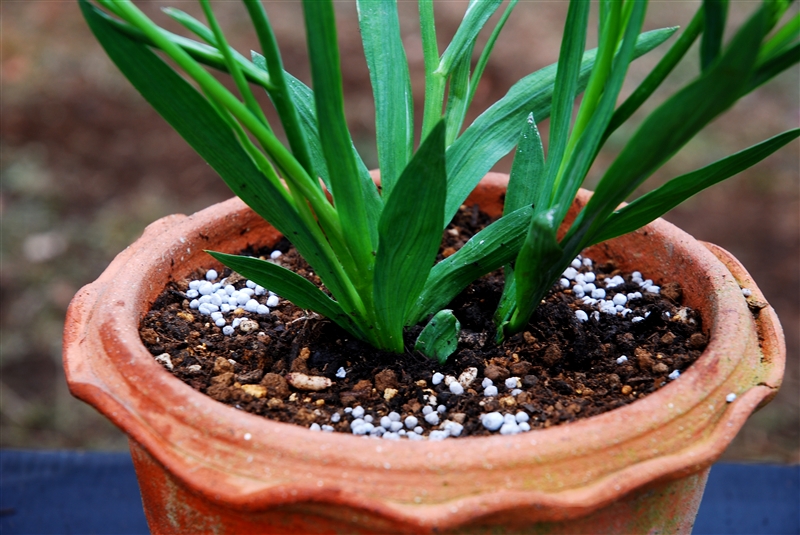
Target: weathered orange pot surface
(205, 467)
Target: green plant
(375, 249)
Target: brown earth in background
(86, 165)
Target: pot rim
(578, 467)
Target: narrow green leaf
(434, 81)
(391, 87)
(773, 67)
(200, 52)
(289, 285)
(439, 339)
(609, 32)
(487, 51)
(658, 202)
(490, 249)
(233, 66)
(186, 110)
(281, 96)
(192, 24)
(526, 181)
(588, 144)
(456, 108)
(410, 231)
(346, 188)
(303, 98)
(782, 39)
(715, 13)
(566, 89)
(496, 131)
(653, 80)
(672, 125)
(508, 302)
(475, 17)
(534, 267)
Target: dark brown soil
(566, 369)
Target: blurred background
(86, 165)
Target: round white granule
(521, 417)
(205, 288)
(512, 382)
(191, 294)
(674, 375)
(436, 436)
(622, 359)
(524, 427)
(341, 372)
(419, 429)
(486, 382)
(211, 275)
(437, 378)
(598, 293)
(393, 416)
(620, 299)
(194, 285)
(570, 273)
(456, 388)
(358, 412)
(262, 309)
(490, 391)
(589, 287)
(251, 305)
(492, 421)
(275, 255)
(260, 290)
(432, 418)
(589, 277)
(581, 315)
(564, 283)
(745, 292)
(509, 429)
(730, 398)
(220, 322)
(368, 418)
(227, 330)
(273, 301)
(315, 427)
(335, 417)
(576, 263)
(195, 304)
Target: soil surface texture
(294, 366)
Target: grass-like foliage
(375, 248)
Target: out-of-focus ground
(86, 165)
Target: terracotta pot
(206, 467)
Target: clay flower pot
(205, 467)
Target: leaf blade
(391, 87)
(289, 285)
(409, 236)
(489, 249)
(659, 201)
